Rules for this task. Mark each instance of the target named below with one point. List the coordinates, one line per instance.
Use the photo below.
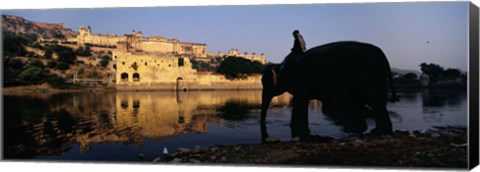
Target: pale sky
(409, 33)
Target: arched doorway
(124, 77)
(181, 84)
(136, 77)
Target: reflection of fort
(159, 115)
(55, 122)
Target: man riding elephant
(349, 78)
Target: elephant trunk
(266, 99)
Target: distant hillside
(20, 25)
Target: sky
(409, 33)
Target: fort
(158, 63)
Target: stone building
(253, 56)
(136, 41)
(152, 70)
(158, 63)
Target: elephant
(349, 78)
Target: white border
(55, 4)
(50, 4)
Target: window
(136, 77)
(181, 62)
(124, 104)
(123, 63)
(124, 77)
(136, 104)
(145, 63)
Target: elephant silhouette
(350, 78)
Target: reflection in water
(441, 97)
(116, 126)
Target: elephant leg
(350, 117)
(355, 120)
(299, 121)
(383, 124)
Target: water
(112, 127)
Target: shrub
(94, 74)
(14, 45)
(37, 63)
(63, 66)
(81, 71)
(37, 45)
(84, 51)
(32, 75)
(105, 60)
(202, 66)
(48, 54)
(14, 64)
(52, 64)
(57, 82)
(235, 67)
(66, 57)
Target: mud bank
(442, 147)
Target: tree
(14, 45)
(66, 56)
(84, 51)
(37, 63)
(451, 74)
(410, 77)
(32, 75)
(433, 70)
(202, 66)
(104, 62)
(235, 67)
(14, 64)
(52, 64)
(63, 66)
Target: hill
(20, 25)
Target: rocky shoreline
(441, 147)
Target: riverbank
(46, 88)
(442, 147)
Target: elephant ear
(274, 77)
(270, 76)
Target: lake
(118, 126)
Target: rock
(184, 150)
(141, 156)
(435, 135)
(387, 137)
(165, 151)
(177, 160)
(459, 145)
(157, 159)
(296, 139)
(272, 139)
(195, 161)
(212, 157)
(223, 159)
(214, 149)
(197, 149)
(357, 142)
(411, 134)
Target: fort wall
(158, 63)
(167, 72)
